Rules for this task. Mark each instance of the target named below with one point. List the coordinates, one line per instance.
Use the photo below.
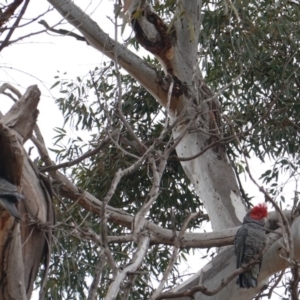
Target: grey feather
(249, 242)
(9, 197)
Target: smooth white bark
(219, 192)
(221, 198)
(210, 173)
(136, 261)
(98, 39)
(225, 262)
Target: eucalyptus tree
(169, 136)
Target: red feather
(259, 211)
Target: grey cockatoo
(9, 197)
(249, 242)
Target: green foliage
(258, 40)
(253, 49)
(90, 106)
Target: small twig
(289, 244)
(42, 150)
(87, 154)
(275, 284)
(129, 285)
(178, 139)
(12, 89)
(97, 277)
(63, 31)
(202, 289)
(173, 258)
(15, 25)
(220, 92)
(25, 36)
(138, 273)
(240, 185)
(217, 142)
(170, 90)
(111, 262)
(226, 139)
(136, 261)
(173, 224)
(294, 283)
(139, 219)
(142, 147)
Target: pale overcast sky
(37, 59)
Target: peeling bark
(9, 11)
(197, 103)
(23, 245)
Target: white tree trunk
(210, 173)
(219, 193)
(221, 198)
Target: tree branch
(173, 258)
(97, 276)
(96, 37)
(87, 154)
(136, 261)
(5, 43)
(200, 288)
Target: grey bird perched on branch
(249, 242)
(9, 197)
